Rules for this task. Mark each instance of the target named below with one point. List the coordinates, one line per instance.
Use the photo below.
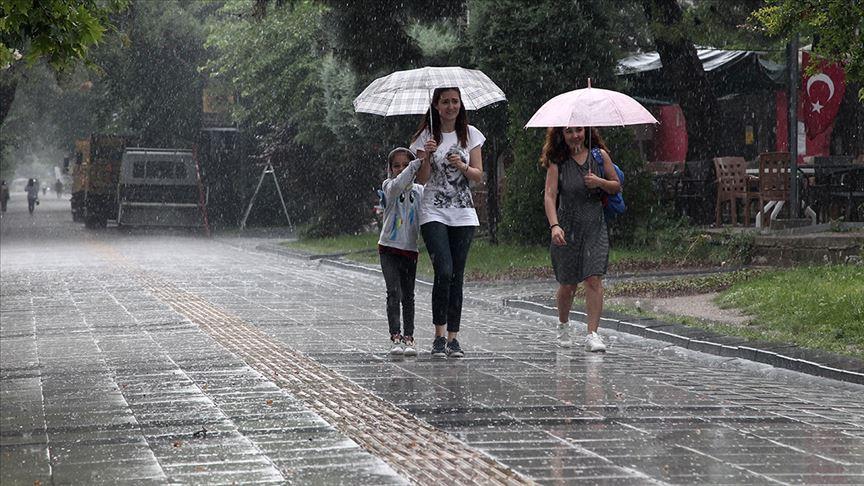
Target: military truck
(95, 174)
(160, 187)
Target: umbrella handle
(588, 136)
(432, 133)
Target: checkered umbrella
(410, 92)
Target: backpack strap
(598, 160)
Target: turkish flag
(821, 95)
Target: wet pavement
(136, 357)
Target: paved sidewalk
(538, 296)
(131, 357)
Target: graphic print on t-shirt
(406, 213)
(453, 189)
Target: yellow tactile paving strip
(426, 456)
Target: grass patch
(486, 262)
(747, 332)
(818, 307)
(701, 284)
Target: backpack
(613, 204)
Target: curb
(779, 355)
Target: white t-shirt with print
(447, 195)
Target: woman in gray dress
(580, 242)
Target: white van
(160, 187)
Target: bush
(523, 219)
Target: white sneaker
(409, 348)
(594, 343)
(396, 348)
(564, 335)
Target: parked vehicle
(160, 187)
(95, 176)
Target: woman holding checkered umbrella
(447, 216)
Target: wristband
(554, 225)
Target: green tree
(297, 66)
(295, 101)
(720, 24)
(835, 27)
(45, 118)
(148, 82)
(60, 31)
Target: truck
(160, 187)
(114, 181)
(95, 175)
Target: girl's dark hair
(555, 150)
(461, 119)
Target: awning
(730, 73)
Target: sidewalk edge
(707, 345)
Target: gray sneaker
(594, 343)
(438, 347)
(564, 335)
(396, 348)
(408, 345)
(454, 350)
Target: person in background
(4, 196)
(58, 188)
(32, 194)
(580, 241)
(451, 153)
(397, 246)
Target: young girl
(451, 153)
(397, 246)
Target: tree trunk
(682, 70)
(848, 135)
(8, 85)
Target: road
(132, 356)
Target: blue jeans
(399, 276)
(448, 249)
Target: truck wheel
(95, 222)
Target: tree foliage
(295, 99)
(59, 31)
(836, 28)
(272, 64)
(141, 80)
(147, 82)
(721, 24)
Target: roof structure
(730, 72)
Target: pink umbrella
(590, 107)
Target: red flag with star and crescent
(821, 95)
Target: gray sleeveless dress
(580, 214)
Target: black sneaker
(438, 346)
(454, 350)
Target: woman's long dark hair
(555, 150)
(461, 119)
